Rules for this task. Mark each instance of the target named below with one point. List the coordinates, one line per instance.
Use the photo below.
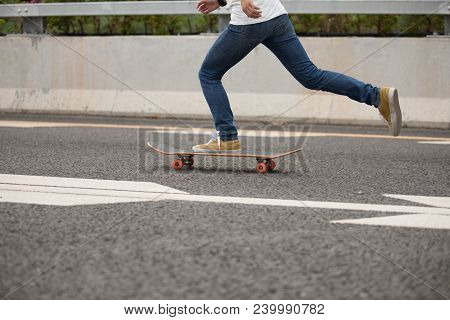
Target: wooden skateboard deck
(186, 158)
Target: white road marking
(72, 191)
(12, 186)
(308, 204)
(29, 124)
(435, 142)
(436, 220)
(429, 221)
(249, 133)
(58, 195)
(144, 195)
(60, 199)
(443, 202)
(85, 183)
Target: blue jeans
(278, 35)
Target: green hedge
(378, 25)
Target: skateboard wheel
(177, 164)
(271, 165)
(261, 167)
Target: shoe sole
(214, 151)
(396, 112)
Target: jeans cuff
(377, 102)
(228, 138)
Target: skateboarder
(268, 23)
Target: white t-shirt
(270, 9)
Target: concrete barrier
(157, 76)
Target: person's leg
(288, 49)
(230, 48)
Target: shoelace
(215, 136)
(218, 139)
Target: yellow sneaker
(390, 109)
(216, 145)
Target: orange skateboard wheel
(261, 167)
(177, 164)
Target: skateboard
(265, 162)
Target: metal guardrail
(35, 12)
(188, 7)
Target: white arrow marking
(85, 183)
(62, 199)
(71, 191)
(429, 221)
(443, 202)
(308, 204)
(436, 220)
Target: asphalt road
(171, 249)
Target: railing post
(224, 20)
(33, 25)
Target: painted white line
(72, 191)
(435, 142)
(443, 202)
(75, 196)
(438, 220)
(428, 221)
(308, 204)
(144, 195)
(31, 124)
(85, 183)
(250, 133)
(60, 199)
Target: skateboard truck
(187, 161)
(265, 165)
(183, 161)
